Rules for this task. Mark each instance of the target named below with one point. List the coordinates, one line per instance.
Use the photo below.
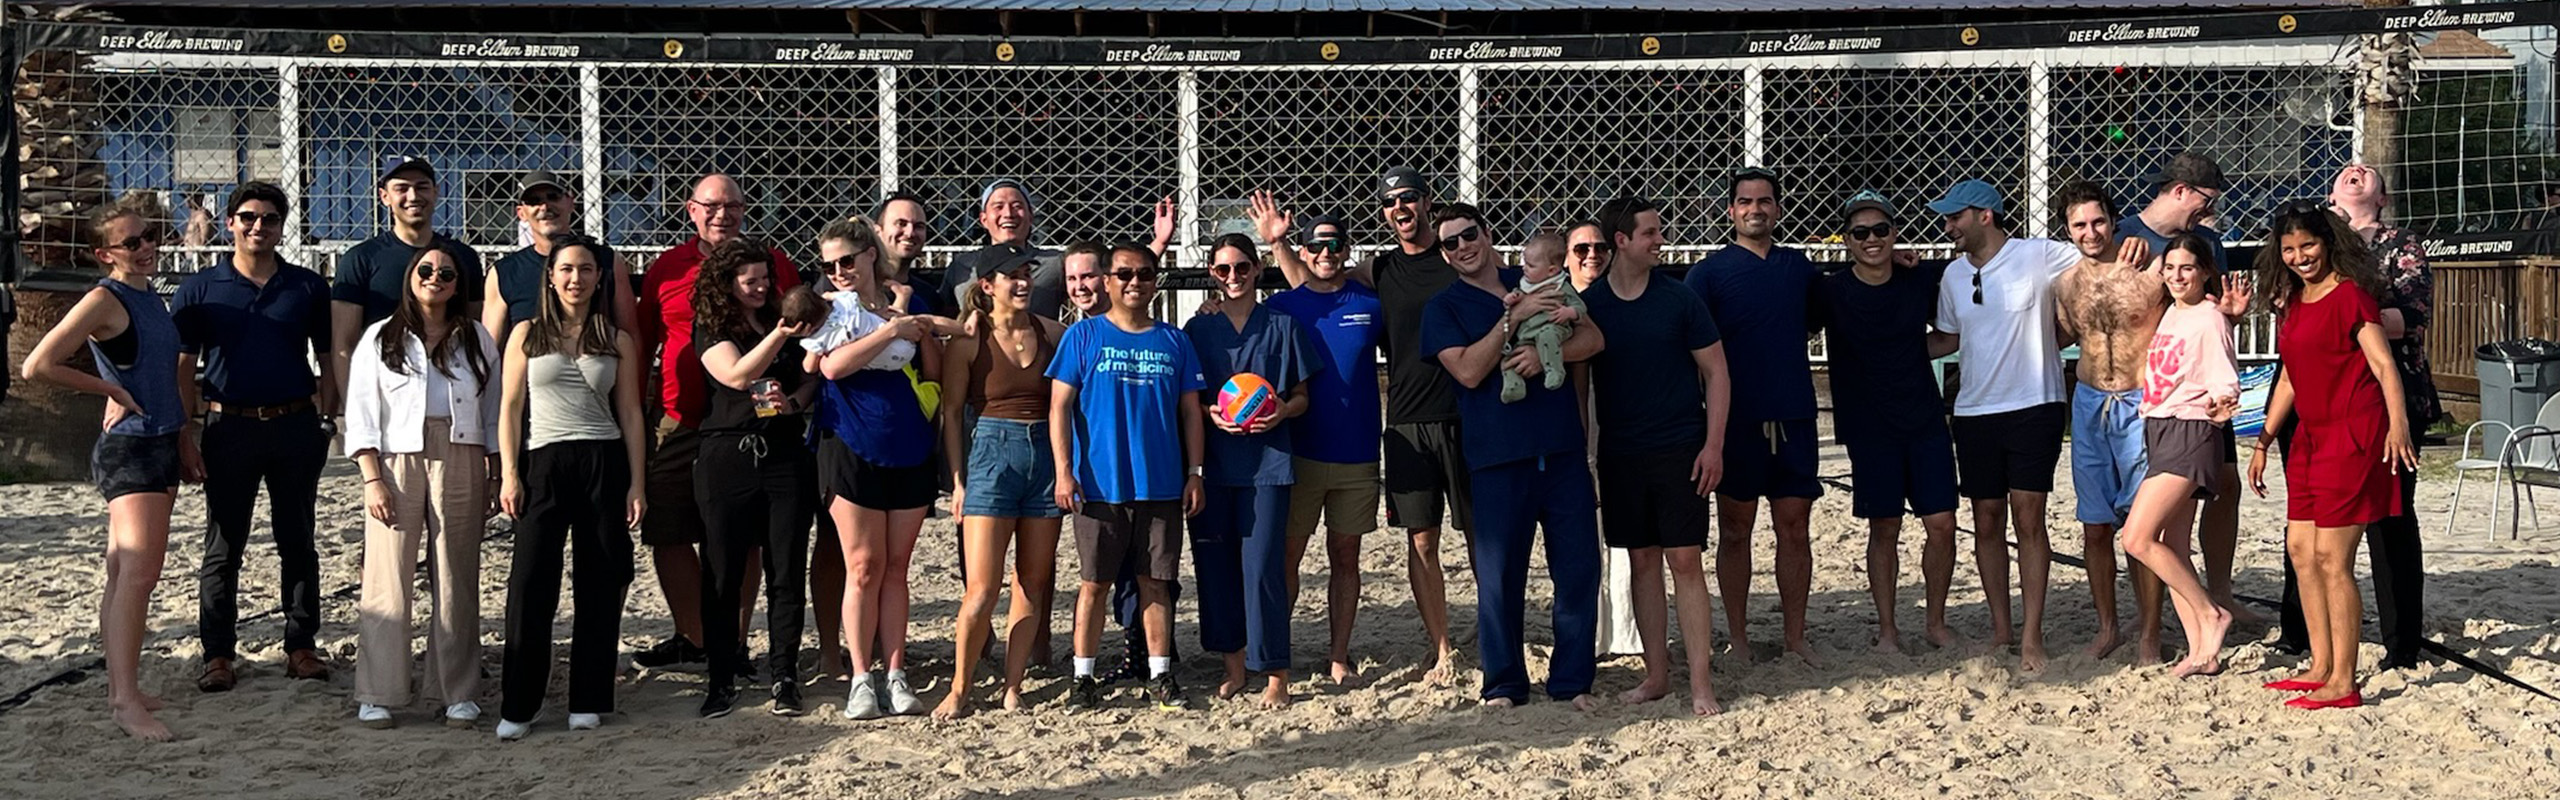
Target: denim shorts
(1010, 471)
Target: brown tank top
(1000, 388)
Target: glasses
(437, 274)
(1147, 275)
(1406, 197)
(1450, 244)
(1977, 286)
(253, 219)
(1875, 231)
(1590, 248)
(134, 242)
(1328, 245)
(733, 206)
(1230, 270)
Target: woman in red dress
(2351, 437)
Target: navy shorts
(121, 465)
(1889, 474)
(1011, 473)
(1770, 459)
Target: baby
(839, 319)
(1542, 272)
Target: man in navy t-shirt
(1124, 428)
(514, 284)
(371, 276)
(1337, 442)
(1661, 396)
(1525, 460)
(1763, 299)
(1885, 409)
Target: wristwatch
(1199, 470)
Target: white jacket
(386, 411)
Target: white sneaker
(464, 714)
(585, 722)
(511, 731)
(373, 716)
(864, 701)
(902, 700)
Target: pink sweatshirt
(2190, 364)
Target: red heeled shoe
(2352, 700)
(2292, 685)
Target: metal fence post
(591, 148)
(1469, 159)
(1755, 137)
(289, 159)
(2039, 145)
(888, 93)
(1187, 215)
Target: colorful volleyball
(1247, 397)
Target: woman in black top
(754, 477)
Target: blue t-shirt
(1273, 346)
(1881, 384)
(375, 273)
(2132, 225)
(1767, 309)
(1341, 425)
(1130, 388)
(1645, 384)
(256, 343)
(1543, 423)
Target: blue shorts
(2107, 461)
(1010, 471)
(1891, 473)
(1755, 467)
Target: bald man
(673, 526)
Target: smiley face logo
(2286, 24)
(337, 43)
(1004, 51)
(1649, 46)
(1330, 51)
(674, 49)
(1970, 36)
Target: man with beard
(514, 286)
(372, 276)
(901, 225)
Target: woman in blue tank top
(135, 462)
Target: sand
(1950, 723)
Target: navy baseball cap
(394, 165)
(1970, 194)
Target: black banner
(895, 50)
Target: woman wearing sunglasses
(420, 424)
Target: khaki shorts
(674, 517)
(1344, 496)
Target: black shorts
(1771, 459)
(121, 465)
(1145, 536)
(674, 516)
(1426, 471)
(1648, 500)
(2009, 451)
(1894, 473)
(843, 473)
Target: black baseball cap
(995, 259)
(1307, 231)
(394, 165)
(1399, 179)
(536, 179)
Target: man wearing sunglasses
(514, 285)
(1337, 440)
(255, 322)
(673, 524)
(1996, 305)
(1526, 463)
(1886, 413)
(1763, 298)
(372, 276)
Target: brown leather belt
(263, 413)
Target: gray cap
(1866, 199)
(989, 193)
(536, 179)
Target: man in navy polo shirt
(1763, 297)
(514, 285)
(1525, 461)
(1662, 396)
(1337, 455)
(372, 275)
(256, 323)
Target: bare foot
(2146, 653)
(1347, 676)
(1443, 673)
(140, 724)
(1804, 651)
(1586, 702)
(1013, 698)
(1500, 702)
(149, 701)
(2192, 666)
(954, 706)
(1889, 642)
(1275, 695)
(2031, 657)
(1704, 703)
(2103, 646)
(1650, 690)
(2207, 660)
(1943, 636)
(1233, 685)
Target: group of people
(744, 423)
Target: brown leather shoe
(306, 665)
(217, 676)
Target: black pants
(286, 454)
(2399, 582)
(574, 494)
(757, 492)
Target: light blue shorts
(2106, 453)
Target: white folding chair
(2529, 457)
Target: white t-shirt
(847, 321)
(2012, 355)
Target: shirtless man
(2112, 310)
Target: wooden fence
(2487, 301)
